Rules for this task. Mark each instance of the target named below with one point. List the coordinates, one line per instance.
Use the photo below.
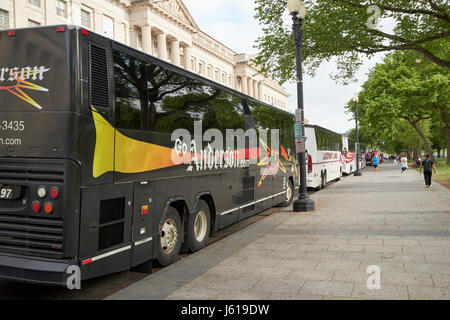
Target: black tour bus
(86, 174)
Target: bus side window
(130, 90)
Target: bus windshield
(34, 70)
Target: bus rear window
(34, 70)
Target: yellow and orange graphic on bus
(17, 89)
(115, 152)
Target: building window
(230, 82)
(200, 68)
(32, 23)
(36, 3)
(208, 72)
(85, 18)
(216, 75)
(155, 46)
(108, 27)
(4, 19)
(61, 8)
(224, 78)
(139, 41)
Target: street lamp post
(357, 172)
(298, 13)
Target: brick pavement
(386, 219)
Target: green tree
(339, 29)
(400, 88)
(437, 136)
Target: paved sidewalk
(386, 219)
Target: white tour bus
(324, 157)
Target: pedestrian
(396, 160)
(427, 165)
(404, 161)
(375, 161)
(417, 163)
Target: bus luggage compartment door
(105, 229)
(144, 223)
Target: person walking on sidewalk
(427, 165)
(404, 161)
(375, 160)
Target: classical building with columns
(163, 28)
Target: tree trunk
(446, 119)
(424, 139)
(447, 135)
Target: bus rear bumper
(34, 270)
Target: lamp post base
(357, 173)
(303, 205)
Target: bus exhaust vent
(31, 236)
(16, 172)
(99, 77)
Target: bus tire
(199, 226)
(170, 235)
(340, 175)
(321, 182)
(289, 195)
(324, 180)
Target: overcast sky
(232, 22)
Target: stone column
(162, 46)
(255, 89)
(133, 37)
(175, 52)
(147, 39)
(244, 84)
(250, 87)
(236, 83)
(187, 57)
(260, 90)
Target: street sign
(300, 145)
(298, 130)
(298, 115)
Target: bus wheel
(340, 175)
(289, 195)
(169, 237)
(321, 182)
(199, 226)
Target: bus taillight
(54, 193)
(36, 206)
(48, 207)
(60, 29)
(309, 164)
(84, 31)
(11, 33)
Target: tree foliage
(401, 89)
(338, 29)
